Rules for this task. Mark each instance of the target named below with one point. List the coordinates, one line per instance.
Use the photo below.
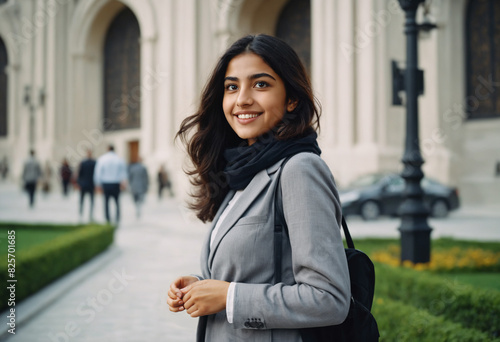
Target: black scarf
(244, 162)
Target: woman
(257, 109)
(66, 174)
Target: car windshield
(366, 180)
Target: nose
(244, 97)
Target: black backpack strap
(279, 224)
(347, 235)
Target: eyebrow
(251, 77)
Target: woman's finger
(174, 287)
(177, 305)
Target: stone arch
(242, 17)
(91, 17)
(87, 35)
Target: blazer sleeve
(321, 295)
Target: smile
(247, 116)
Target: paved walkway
(121, 294)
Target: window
(483, 59)
(294, 27)
(3, 89)
(122, 88)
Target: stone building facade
(78, 74)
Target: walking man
(110, 175)
(86, 182)
(31, 173)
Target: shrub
(469, 306)
(400, 323)
(41, 264)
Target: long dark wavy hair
(211, 133)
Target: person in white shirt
(110, 176)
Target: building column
(367, 30)
(14, 93)
(149, 125)
(324, 62)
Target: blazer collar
(250, 193)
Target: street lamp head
(427, 23)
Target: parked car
(378, 194)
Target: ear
(291, 105)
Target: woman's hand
(175, 294)
(205, 297)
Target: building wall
(55, 47)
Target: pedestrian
(138, 181)
(4, 168)
(110, 176)
(164, 182)
(31, 174)
(256, 110)
(85, 181)
(65, 172)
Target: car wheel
(370, 210)
(439, 208)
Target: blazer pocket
(246, 220)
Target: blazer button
(254, 324)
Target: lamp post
(32, 103)
(28, 101)
(415, 231)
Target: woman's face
(254, 97)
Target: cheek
(277, 113)
(226, 107)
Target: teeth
(247, 116)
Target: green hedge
(38, 266)
(468, 306)
(399, 322)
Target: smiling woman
(258, 110)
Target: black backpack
(360, 325)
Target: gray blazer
(315, 290)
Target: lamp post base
(416, 243)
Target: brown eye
(261, 84)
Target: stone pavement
(120, 295)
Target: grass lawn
(29, 237)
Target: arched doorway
(122, 61)
(483, 58)
(294, 27)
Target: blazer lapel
(258, 183)
(206, 246)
